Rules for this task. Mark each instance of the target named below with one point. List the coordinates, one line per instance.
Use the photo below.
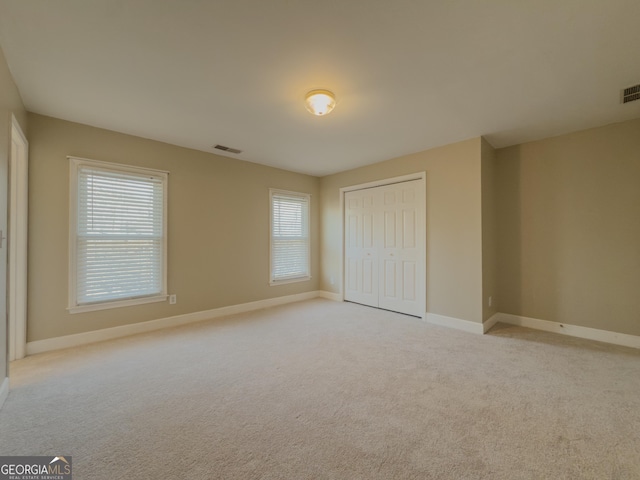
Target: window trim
(302, 278)
(75, 164)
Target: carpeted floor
(326, 390)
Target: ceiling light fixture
(320, 102)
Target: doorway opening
(17, 242)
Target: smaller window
(289, 237)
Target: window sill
(116, 304)
(273, 283)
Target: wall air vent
(227, 149)
(631, 94)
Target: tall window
(289, 237)
(118, 235)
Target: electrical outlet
(490, 301)
(172, 299)
(332, 280)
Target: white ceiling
(408, 74)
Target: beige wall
(454, 230)
(218, 226)
(489, 232)
(569, 233)
(10, 103)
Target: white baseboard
(606, 336)
(4, 390)
(336, 297)
(491, 321)
(456, 323)
(78, 339)
(57, 343)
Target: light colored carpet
(326, 390)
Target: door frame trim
(17, 243)
(422, 176)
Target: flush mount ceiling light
(320, 102)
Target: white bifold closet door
(385, 247)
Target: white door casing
(17, 242)
(385, 246)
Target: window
(289, 237)
(118, 235)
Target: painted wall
(489, 232)
(10, 103)
(569, 228)
(218, 226)
(454, 230)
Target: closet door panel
(400, 252)
(361, 275)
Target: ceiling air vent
(227, 149)
(630, 94)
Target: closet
(385, 247)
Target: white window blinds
(120, 234)
(289, 236)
